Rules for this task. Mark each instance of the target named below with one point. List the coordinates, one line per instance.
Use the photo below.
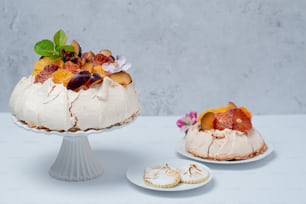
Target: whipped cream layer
(224, 144)
(54, 107)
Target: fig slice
(100, 59)
(106, 53)
(207, 121)
(88, 56)
(77, 47)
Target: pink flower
(120, 64)
(187, 121)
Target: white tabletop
(26, 157)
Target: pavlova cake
(71, 90)
(225, 133)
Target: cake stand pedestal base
(75, 161)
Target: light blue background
(186, 55)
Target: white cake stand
(75, 160)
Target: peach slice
(122, 78)
(99, 70)
(44, 61)
(62, 76)
(88, 66)
(217, 110)
(41, 63)
(207, 121)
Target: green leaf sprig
(54, 49)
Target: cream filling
(53, 106)
(222, 143)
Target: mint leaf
(55, 56)
(44, 48)
(68, 48)
(60, 38)
(53, 50)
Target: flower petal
(185, 122)
(126, 66)
(180, 123)
(108, 66)
(121, 60)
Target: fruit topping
(240, 121)
(229, 117)
(70, 66)
(67, 65)
(77, 48)
(84, 79)
(98, 69)
(78, 80)
(121, 77)
(68, 56)
(44, 61)
(217, 110)
(62, 76)
(88, 66)
(231, 105)
(106, 53)
(46, 73)
(246, 111)
(94, 80)
(224, 120)
(88, 56)
(100, 59)
(207, 121)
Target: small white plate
(180, 148)
(135, 175)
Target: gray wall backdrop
(186, 55)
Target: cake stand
(75, 160)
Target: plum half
(78, 80)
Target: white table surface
(26, 157)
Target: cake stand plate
(75, 160)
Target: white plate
(180, 148)
(135, 175)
